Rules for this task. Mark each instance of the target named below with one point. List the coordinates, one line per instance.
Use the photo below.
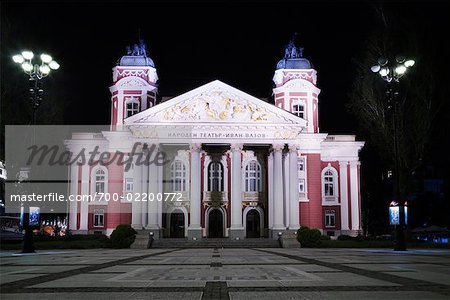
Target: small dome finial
(293, 57)
(136, 55)
(291, 51)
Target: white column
(286, 189)
(73, 190)
(160, 170)
(294, 219)
(195, 205)
(153, 180)
(144, 191)
(270, 187)
(136, 207)
(354, 195)
(278, 222)
(236, 187)
(344, 194)
(84, 213)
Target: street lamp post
(391, 73)
(36, 73)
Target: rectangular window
(329, 187)
(301, 164)
(99, 217)
(132, 105)
(128, 184)
(301, 186)
(298, 110)
(301, 170)
(330, 218)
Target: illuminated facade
(240, 166)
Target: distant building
(242, 167)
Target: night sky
(193, 43)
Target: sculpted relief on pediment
(215, 106)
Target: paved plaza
(226, 274)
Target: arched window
(100, 181)
(132, 106)
(329, 185)
(253, 177)
(215, 177)
(178, 176)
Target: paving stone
(227, 273)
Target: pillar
(294, 216)
(136, 207)
(278, 222)
(144, 190)
(343, 195)
(194, 229)
(152, 206)
(270, 187)
(236, 229)
(354, 195)
(73, 190)
(84, 213)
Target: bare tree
(420, 99)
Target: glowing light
(409, 63)
(18, 59)
(384, 72)
(375, 69)
(53, 65)
(400, 70)
(27, 54)
(46, 58)
(27, 67)
(44, 69)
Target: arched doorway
(253, 227)
(215, 224)
(177, 224)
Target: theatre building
(238, 165)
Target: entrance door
(215, 224)
(177, 225)
(253, 229)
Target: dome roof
(130, 60)
(293, 58)
(294, 63)
(136, 56)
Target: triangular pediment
(215, 102)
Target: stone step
(215, 243)
(141, 240)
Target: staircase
(216, 243)
(142, 240)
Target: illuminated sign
(34, 216)
(394, 214)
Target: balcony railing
(207, 196)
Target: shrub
(325, 238)
(309, 238)
(123, 236)
(344, 237)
